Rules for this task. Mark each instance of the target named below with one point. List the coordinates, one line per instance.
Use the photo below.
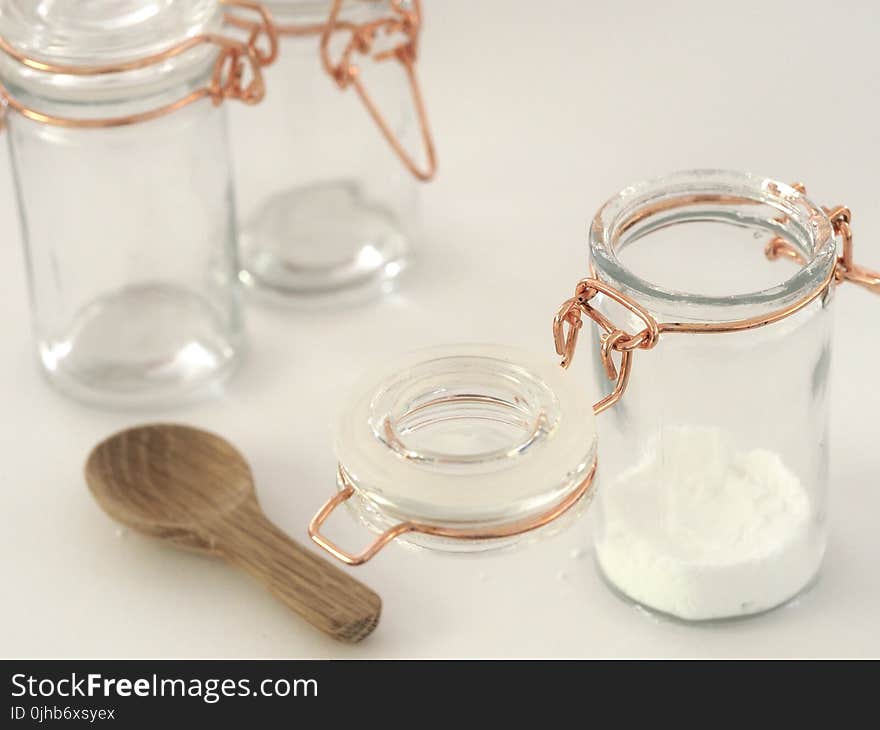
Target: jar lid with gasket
(463, 448)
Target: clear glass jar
(463, 449)
(126, 212)
(326, 204)
(714, 470)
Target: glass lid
(101, 32)
(478, 442)
(90, 32)
(316, 11)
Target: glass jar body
(129, 233)
(325, 203)
(714, 464)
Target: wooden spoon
(196, 490)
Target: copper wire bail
(568, 319)
(512, 529)
(236, 60)
(346, 73)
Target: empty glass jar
(118, 145)
(715, 461)
(328, 197)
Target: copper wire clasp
(337, 552)
(262, 28)
(510, 529)
(346, 73)
(566, 342)
(613, 339)
(846, 269)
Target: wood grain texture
(194, 489)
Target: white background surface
(541, 111)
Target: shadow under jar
(715, 462)
(328, 204)
(124, 193)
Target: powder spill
(700, 530)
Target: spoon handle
(325, 596)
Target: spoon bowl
(169, 481)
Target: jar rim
(110, 32)
(708, 185)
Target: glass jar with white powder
(714, 465)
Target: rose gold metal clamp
(227, 81)
(846, 269)
(568, 320)
(613, 339)
(345, 72)
(263, 28)
(509, 530)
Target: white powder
(700, 530)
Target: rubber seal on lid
(476, 440)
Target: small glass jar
(715, 462)
(463, 449)
(118, 146)
(327, 204)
